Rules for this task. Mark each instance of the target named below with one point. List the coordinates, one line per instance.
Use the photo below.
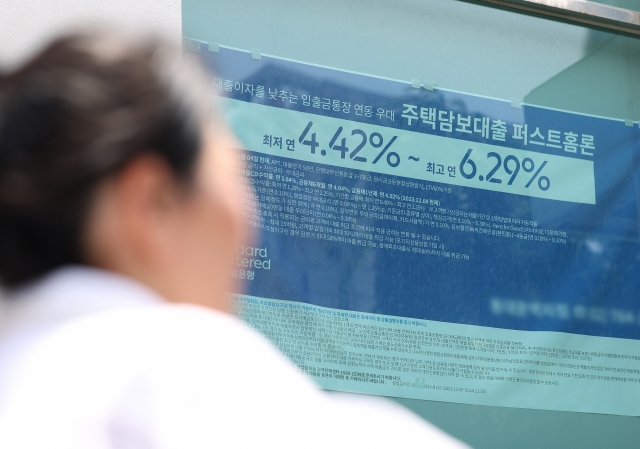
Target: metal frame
(578, 12)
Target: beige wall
(26, 25)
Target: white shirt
(91, 359)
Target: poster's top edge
(622, 121)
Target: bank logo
(248, 259)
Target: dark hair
(74, 114)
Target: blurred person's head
(112, 156)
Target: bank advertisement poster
(424, 243)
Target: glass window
(448, 201)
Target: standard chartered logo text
(250, 257)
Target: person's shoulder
(177, 351)
(178, 330)
(206, 375)
(187, 340)
(162, 339)
(186, 325)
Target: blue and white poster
(424, 243)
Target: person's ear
(147, 198)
